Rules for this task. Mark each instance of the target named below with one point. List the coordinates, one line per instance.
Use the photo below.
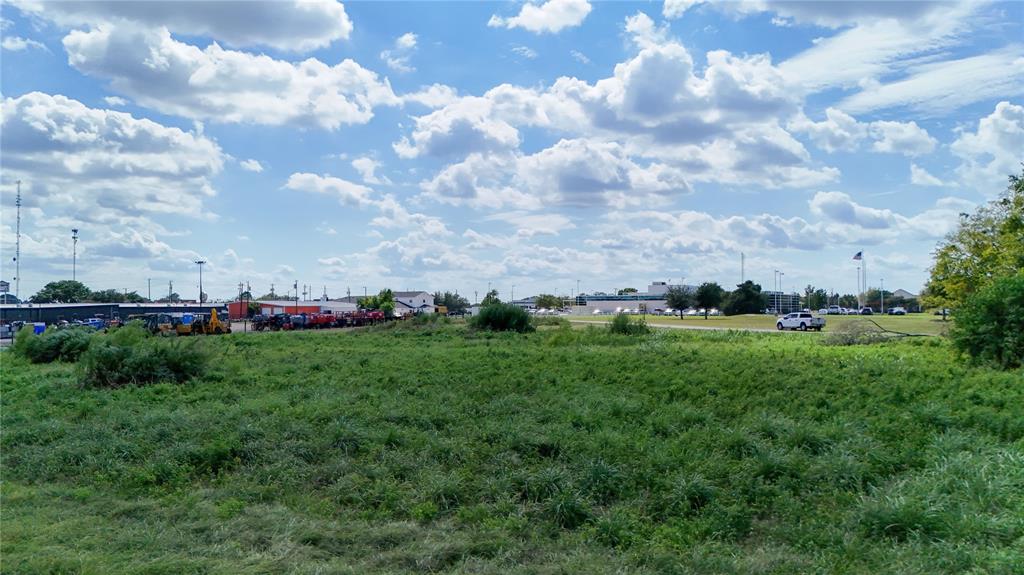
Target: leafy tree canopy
(987, 245)
(709, 295)
(490, 299)
(679, 298)
(747, 298)
(64, 291)
(453, 301)
(549, 301)
(627, 291)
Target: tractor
(210, 325)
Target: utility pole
(149, 289)
(200, 263)
(74, 252)
(364, 291)
(881, 293)
(17, 249)
(170, 290)
(296, 286)
(513, 294)
(781, 298)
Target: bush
(503, 317)
(53, 344)
(625, 325)
(125, 359)
(990, 325)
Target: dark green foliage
(626, 325)
(455, 303)
(129, 357)
(64, 291)
(746, 298)
(989, 327)
(709, 295)
(502, 317)
(53, 344)
(440, 449)
(679, 298)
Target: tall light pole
(781, 289)
(74, 252)
(200, 264)
(296, 286)
(881, 294)
(17, 250)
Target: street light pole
(881, 294)
(74, 252)
(200, 264)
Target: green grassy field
(913, 323)
(422, 450)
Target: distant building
(54, 312)
(782, 302)
(238, 310)
(904, 294)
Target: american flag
(858, 255)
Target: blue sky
(445, 146)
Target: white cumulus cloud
(552, 16)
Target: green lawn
(422, 450)
(913, 323)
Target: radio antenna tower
(17, 249)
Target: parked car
(835, 310)
(823, 311)
(802, 321)
(866, 311)
(897, 311)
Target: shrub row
(51, 345)
(129, 356)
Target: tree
(455, 303)
(64, 291)
(383, 301)
(679, 298)
(173, 298)
(490, 299)
(709, 295)
(549, 301)
(989, 326)
(815, 298)
(987, 245)
(268, 296)
(747, 298)
(114, 296)
(848, 300)
(627, 291)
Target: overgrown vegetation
(566, 450)
(129, 356)
(502, 317)
(53, 344)
(990, 325)
(625, 325)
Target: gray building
(55, 312)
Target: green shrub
(990, 325)
(53, 344)
(122, 359)
(625, 325)
(550, 320)
(503, 317)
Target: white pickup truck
(802, 321)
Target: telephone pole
(149, 289)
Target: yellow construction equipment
(210, 325)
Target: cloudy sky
(447, 146)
